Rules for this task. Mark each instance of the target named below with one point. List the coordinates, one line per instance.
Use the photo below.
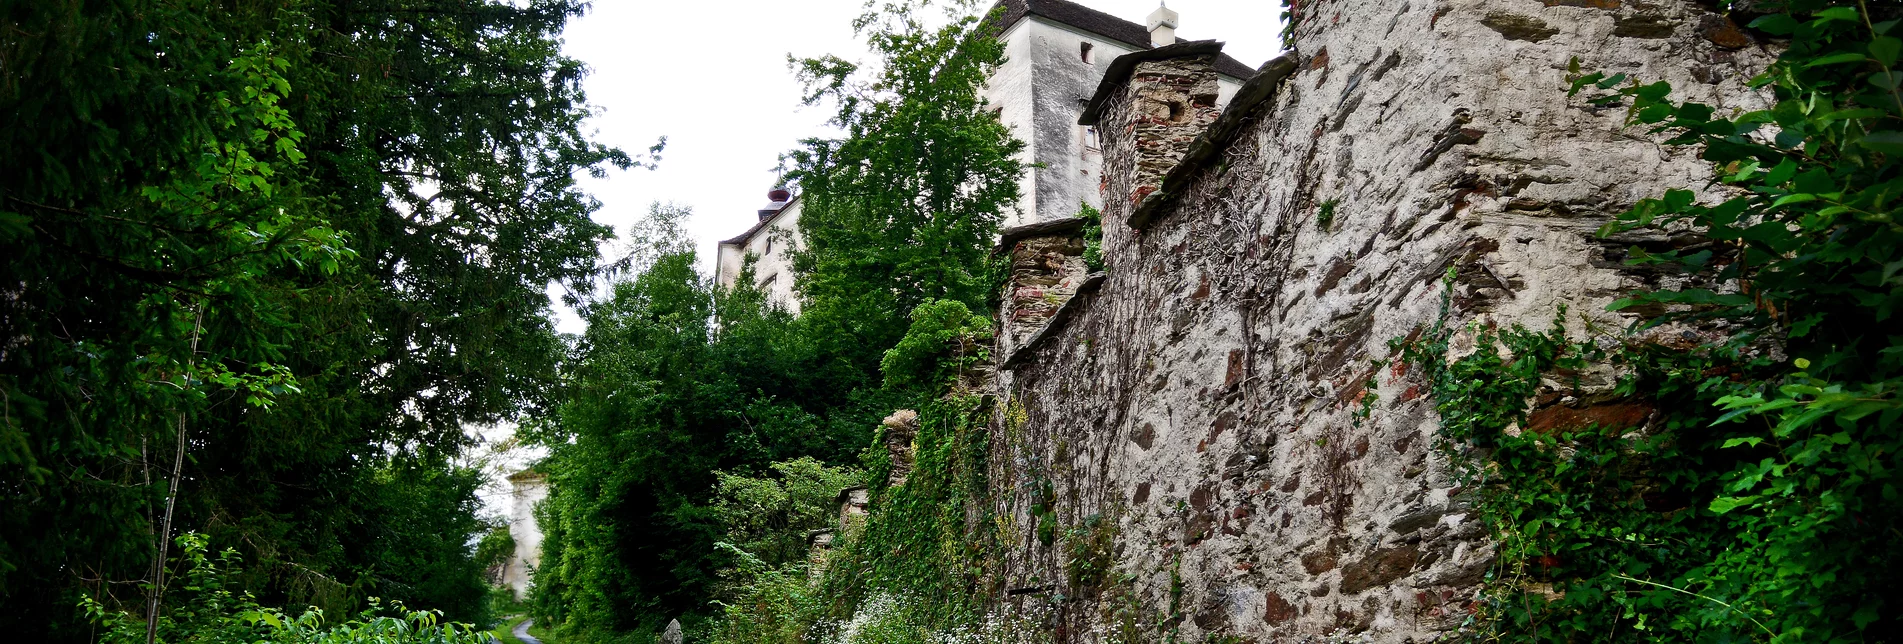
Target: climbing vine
(1756, 499)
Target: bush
(210, 613)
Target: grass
(536, 631)
(505, 633)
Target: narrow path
(521, 632)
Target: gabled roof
(1102, 24)
(741, 240)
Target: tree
(286, 250)
(904, 206)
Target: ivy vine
(1760, 501)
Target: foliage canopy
(302, 243)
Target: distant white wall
(527, 488)
(773, 271)
(1041, 90)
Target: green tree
(674, 381)
(903, 207)
(679, 386)
(769, 517)
(1805, 448)
(285, 250)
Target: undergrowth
(1759, 501)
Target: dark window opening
(1083, 51)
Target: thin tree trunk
(157, 591)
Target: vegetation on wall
(918, 568)
(1760, 503)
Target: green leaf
(1793, 198)
(1816, 180)
(1863, 113)
(1836, 13)
(1887, 142)
(1678, 200)
(1781, 173)
(1725, 504)
(1890, 270)
(1654, 91)
(13, 224)
(1747, 440)
(1622, 304)
(1885, 50)
(1837, 59)
(1777, 24)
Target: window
(1091, 141)
(1083, 51)
(767, 284)
(769, 243)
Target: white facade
(1051, 69)
(527, 488)
(768, 242)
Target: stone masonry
(1201, 398)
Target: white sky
(712, 78)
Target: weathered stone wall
(1202, 399)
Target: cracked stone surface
(1204, 396)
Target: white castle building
(1056, 52)
(526, 488)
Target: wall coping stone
(1121, 68)
(1052, 228)
(1053, 325)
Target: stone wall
(1201, 401)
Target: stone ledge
(1052, 228)
(1055, 324)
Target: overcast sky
(712, 78)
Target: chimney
(1162, 26)
(1149, 118)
